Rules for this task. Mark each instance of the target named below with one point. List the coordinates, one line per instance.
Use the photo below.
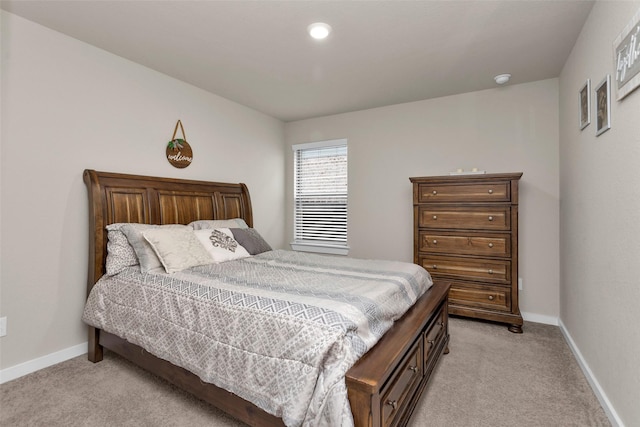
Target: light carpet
(490, 378)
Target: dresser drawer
(402, 386)
(492, 218)
(484, 296)
(485, 244)
(481, 192)
(432, 337)
(487, 270)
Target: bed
(382, 386)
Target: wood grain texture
(466, 233)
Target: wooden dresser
(466, 234)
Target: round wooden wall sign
(179, 153)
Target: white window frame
(315, 245)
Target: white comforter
(279, 329)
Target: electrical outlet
(519, 283)
(3, 326)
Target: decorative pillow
(120, 253)
(146, 255)
(177, 248)
(205, 224)
(220, 244)
(251, 240)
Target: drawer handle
(435, 192)
(490, 245)
(392, 403)
(413, 368)
(490, 271)
(435, 217)
(490, 218)
(435, 242)
(490, 191)
(490, 297)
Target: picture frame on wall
(585, 104)
(626, 50)
(603, 105)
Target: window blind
(320, 193)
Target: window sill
(320, 248)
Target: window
(320, 197)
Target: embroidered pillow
(218, 223)
(251, 240)
(220, 244)
(177, 248)
(145, 253)
(120, 253)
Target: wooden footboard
(386, 383)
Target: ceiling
(258, 53)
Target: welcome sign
(178, 151)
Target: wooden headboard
(115, 197)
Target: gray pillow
(146, 255)
(251, 240)
(120, 253)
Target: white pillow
(177, 248)
(220, 244)
(218, 223)
(146, 255)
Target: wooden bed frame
(383, 386)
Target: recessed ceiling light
(319, 30)
(502, 78)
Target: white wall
(507, 129)
(67, 106)
(600, 221)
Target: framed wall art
(626, 49)
(603, 105)
(585, 104)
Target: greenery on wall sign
(178, 151)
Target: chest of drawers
(466, 234)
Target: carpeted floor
(491, 377)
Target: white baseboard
(25, 368)
(540, 318)
(593, 382)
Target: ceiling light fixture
(502, 78)
(319, 30)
